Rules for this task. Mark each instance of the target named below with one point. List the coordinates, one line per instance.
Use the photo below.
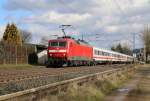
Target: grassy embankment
(93, 91)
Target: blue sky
(103, 23)
(2, 13)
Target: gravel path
(136, 89)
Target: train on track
(70, 52)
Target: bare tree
(26, 36)
(146, 41)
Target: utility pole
(133, 44)
(145, 45)
(145, 41)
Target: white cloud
(90, 16)
(57, 18)
(111, 29)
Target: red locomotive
(70, 52)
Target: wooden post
(16, 54)
(26, 56)
(4, 55)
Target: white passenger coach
(102, 56)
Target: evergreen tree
(5, 36)
(119, 48)
(12, 35)
(122, 49)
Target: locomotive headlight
(50, 54)
(64, 54)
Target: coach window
(111, 54)
(103, 53)
(107, 54)
(100, 52)
(94, 51)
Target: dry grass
(90, 92)
(15, 66)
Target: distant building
(139, 54)
(39, 55)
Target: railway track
(8, 75)
(35, 94)
(35, 77)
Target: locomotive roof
(82, 42)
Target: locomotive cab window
(57, 44)
(62, 44)
(53, 44)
